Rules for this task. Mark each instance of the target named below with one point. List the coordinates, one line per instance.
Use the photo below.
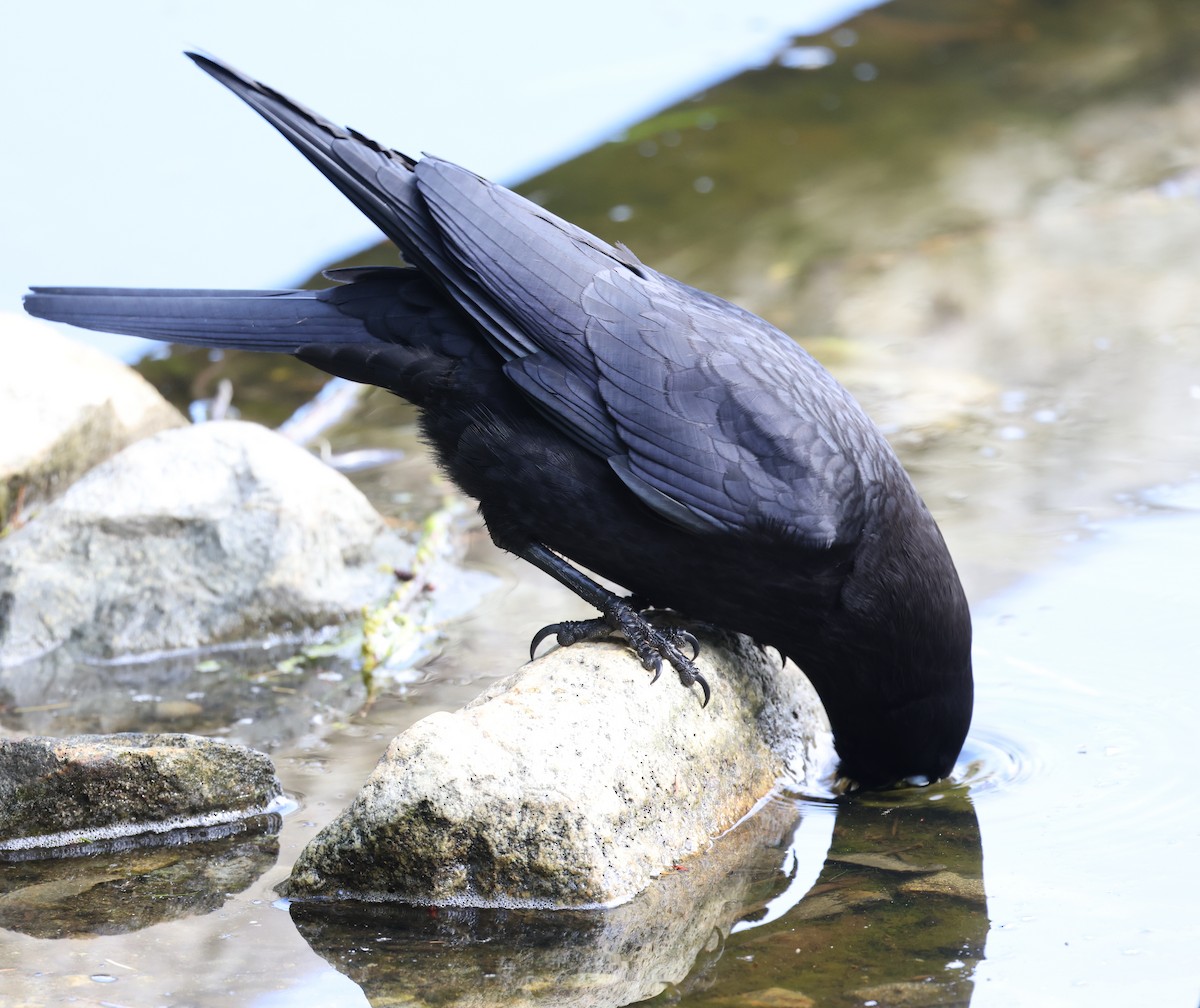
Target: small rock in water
(89, 789)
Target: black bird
(607, 414)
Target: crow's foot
(651, 644)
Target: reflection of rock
(564, 959)
(259, 696)
(770, 997)
(886, 862)
(914, 404)
(219, 532)
(82, 897)
(900, 897)
(572, 783)
(83, 792)
(908, 994)
(947, 883)
(63, 408)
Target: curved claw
(773, 647)
(540, 636)
(690, 640)
(703, 683)
(656, 668)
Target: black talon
(704, 689)
(540, 636)
(764, 647)
(683, 636)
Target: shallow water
(990, 240)
(1086, 673)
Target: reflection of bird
(605, 413)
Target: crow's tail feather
(281, 321)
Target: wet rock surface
(208, 534)
(572, 783)
(89, 789)
(63, 408)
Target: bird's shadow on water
(879, 896)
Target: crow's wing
(725, 415)
(382, 184)
(713, 417)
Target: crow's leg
(651, 644)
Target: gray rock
(87, 789)
(216, 533)
(64, 407)
(572, 783)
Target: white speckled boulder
(572, 783)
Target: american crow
(603, 413)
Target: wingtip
(233, 78)
(214, 67)
(201, 59)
